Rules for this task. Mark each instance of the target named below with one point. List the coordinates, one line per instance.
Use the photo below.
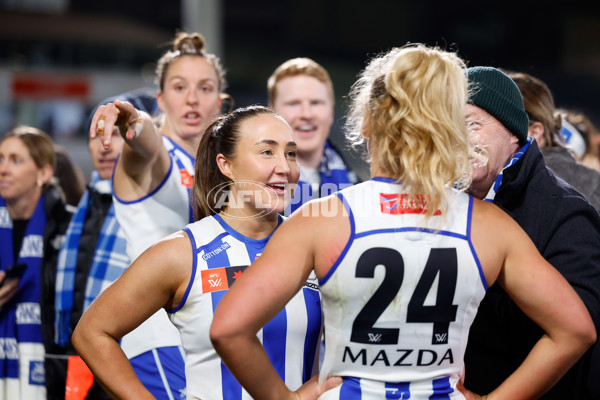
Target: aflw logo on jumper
(394, 203)
(440, 338)
(374, 337)
(33, 246)
(217, 279)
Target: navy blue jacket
(565, 228)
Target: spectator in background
(33, 220)
(545, 127)
(152, 181)
(69, 176)
(301, 91)
(562, 224)
(91, 258)
(572, 138)
(582, 124)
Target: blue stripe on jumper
(441, 389)
(312, 302)
(350, 389)
(229, 385)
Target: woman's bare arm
(158, 278)
(261, 292)
(144, 161)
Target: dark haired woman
(245, 170)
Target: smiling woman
(261, 169)
(249, 155)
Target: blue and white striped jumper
(399, 301)
(291, 339)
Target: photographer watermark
(229, 198)
(257, 199)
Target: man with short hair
(301, 91)
(563, 225)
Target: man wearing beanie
(563, 225)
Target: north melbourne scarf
(109, 262)
(498, 181)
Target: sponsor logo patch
(186, 179)
(215, 251)
(395, 204)
(216, 279)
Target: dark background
(559, 43)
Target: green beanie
(499, 95)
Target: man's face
(305, 103)
(104, 160)
(494, 142)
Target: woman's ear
(536, 130)
(224, 166)
(159, 101)
(45, 174)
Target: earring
(40, 183)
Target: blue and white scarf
(492, 193)
(334, 176)
(20, 320)
(109, 262)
